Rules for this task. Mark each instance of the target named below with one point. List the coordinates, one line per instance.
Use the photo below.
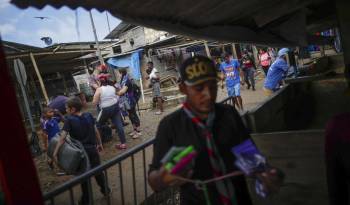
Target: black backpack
(136, 91)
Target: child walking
(81, 126)
(50, 127)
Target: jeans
(94, 159)
(134, 118)
(249, 76)
(113, 113)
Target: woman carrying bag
(106, 97)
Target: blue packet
(248, 158)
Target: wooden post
(234, 52)
(322, 51)
(207, 49)
(65, 83)
(37, 95)
(342, 8)
(39, 77)
(256, 56)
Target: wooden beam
(234, 52)
(43, 89)
(342, 8)
(83, 52)
(207, 49)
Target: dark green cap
(197, 69)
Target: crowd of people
(113, 102)
(211, 128)
(116, 100)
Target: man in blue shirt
(277, 72)
(231, 72)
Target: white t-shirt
(153, 74)
(108, 96)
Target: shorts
(156, 90)
(234, 90)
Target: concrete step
(164, 91)
(171, 100)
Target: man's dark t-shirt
(81, 128)
(177, 129)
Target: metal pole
(39, 77)
(142, 92)
(133, 178)
(96, 40)
(234, 52)
(109, 28)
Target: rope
(202, 185)
(196, 182)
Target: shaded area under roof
(272, 22)
(51, 62)
(12, 47)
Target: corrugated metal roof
(122, 27)
(49, 61)
(273, 22)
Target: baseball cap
(103, 77)
(283, 51)
(103, 68)
(196, 70)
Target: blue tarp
(119, 62)
(135, 65)
(131, 61)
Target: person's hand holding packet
(253, 163)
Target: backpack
(136, 91)
(71, 155)
(106, 133)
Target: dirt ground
(149, 123)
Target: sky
(20, 26)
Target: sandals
(120, 146)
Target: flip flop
(120, 146)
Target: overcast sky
(20, 26)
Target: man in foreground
(213, 129)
